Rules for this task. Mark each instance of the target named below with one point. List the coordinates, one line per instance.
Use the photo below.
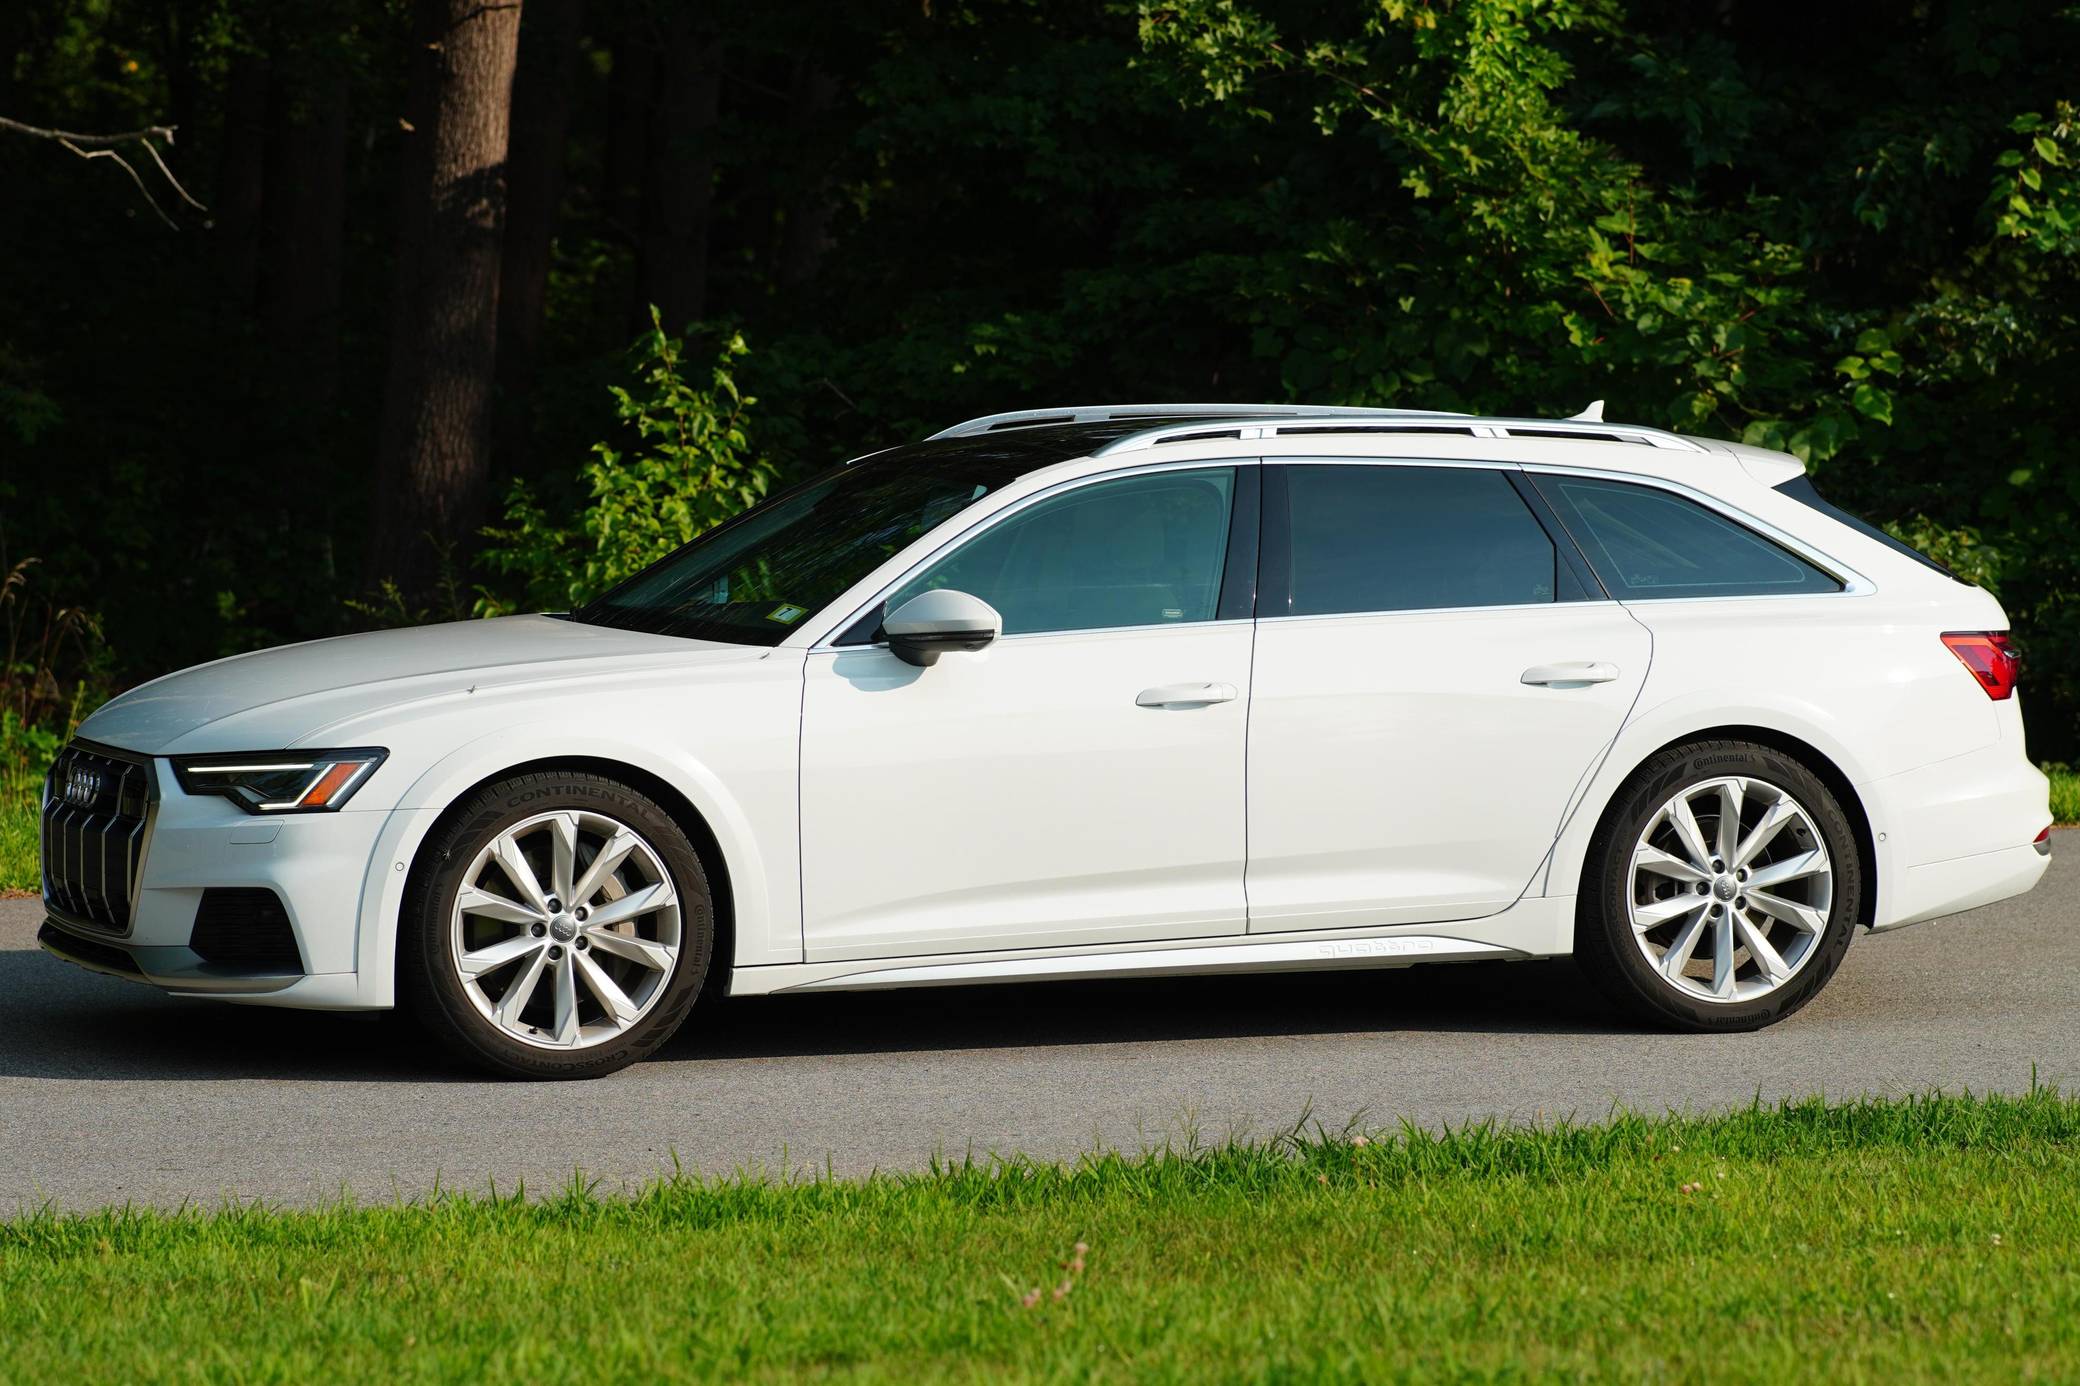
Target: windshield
(754, 579)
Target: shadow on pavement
(71, 1024)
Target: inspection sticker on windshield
(787, 614)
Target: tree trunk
(434, 455)
(304, 229)
(534, 189)
(679, 190)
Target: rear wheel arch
(1805, 753)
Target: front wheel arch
(706, 846)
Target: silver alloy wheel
(1730, 890)
(565, 931)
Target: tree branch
(109, 147)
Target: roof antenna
(1593, 414)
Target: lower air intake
(246, 928)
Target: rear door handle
(1185, 695)
(1572, 674)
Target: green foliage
(2065, 793)
(693, 468)
(1796, 226)
(26, 753)
(2036, 192)
(1921, 1240)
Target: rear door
(1436, 672)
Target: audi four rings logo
(82, 786)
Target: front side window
(1140, 551)
(1647, 543)
(1395, 538)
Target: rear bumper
(1965, 883)
(1958, 834)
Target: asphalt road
(110, 1092)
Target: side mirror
(931, 623)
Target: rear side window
(1647, 543)
(1381, 538)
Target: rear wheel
(561, 930)
(1721, 890)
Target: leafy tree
(694, 468)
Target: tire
(1637, 908)
(607, 978)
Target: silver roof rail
(1106, 413)
(1396, 421)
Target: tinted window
(1141, 551)
(1645, 542)
(1401, 538)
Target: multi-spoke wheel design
(566, 929)
(1730, 889)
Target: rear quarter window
(1647, 543)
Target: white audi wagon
(1094, 692)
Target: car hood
(278, 698)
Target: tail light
(1990, 657)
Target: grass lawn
(18, 846)
(1932, 1239)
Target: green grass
(18, 845)
(2065, 794)
(1931, 1239)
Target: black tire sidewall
(1604, 930)
(427, 981)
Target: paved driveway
(109, 1091)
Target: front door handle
(1571, 674)
(1185, 695)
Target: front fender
(746, 801)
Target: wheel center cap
(563, 928)
(1725, 887)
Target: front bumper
(316, 864)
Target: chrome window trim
(828, 641)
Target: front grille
(97, 817)
(246, 928)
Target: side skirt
(1533, 928)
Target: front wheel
(560, 928)
(1721, 889)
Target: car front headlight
(281, 781)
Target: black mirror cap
(923, 650)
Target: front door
(1079, 781)
(1434, 677)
